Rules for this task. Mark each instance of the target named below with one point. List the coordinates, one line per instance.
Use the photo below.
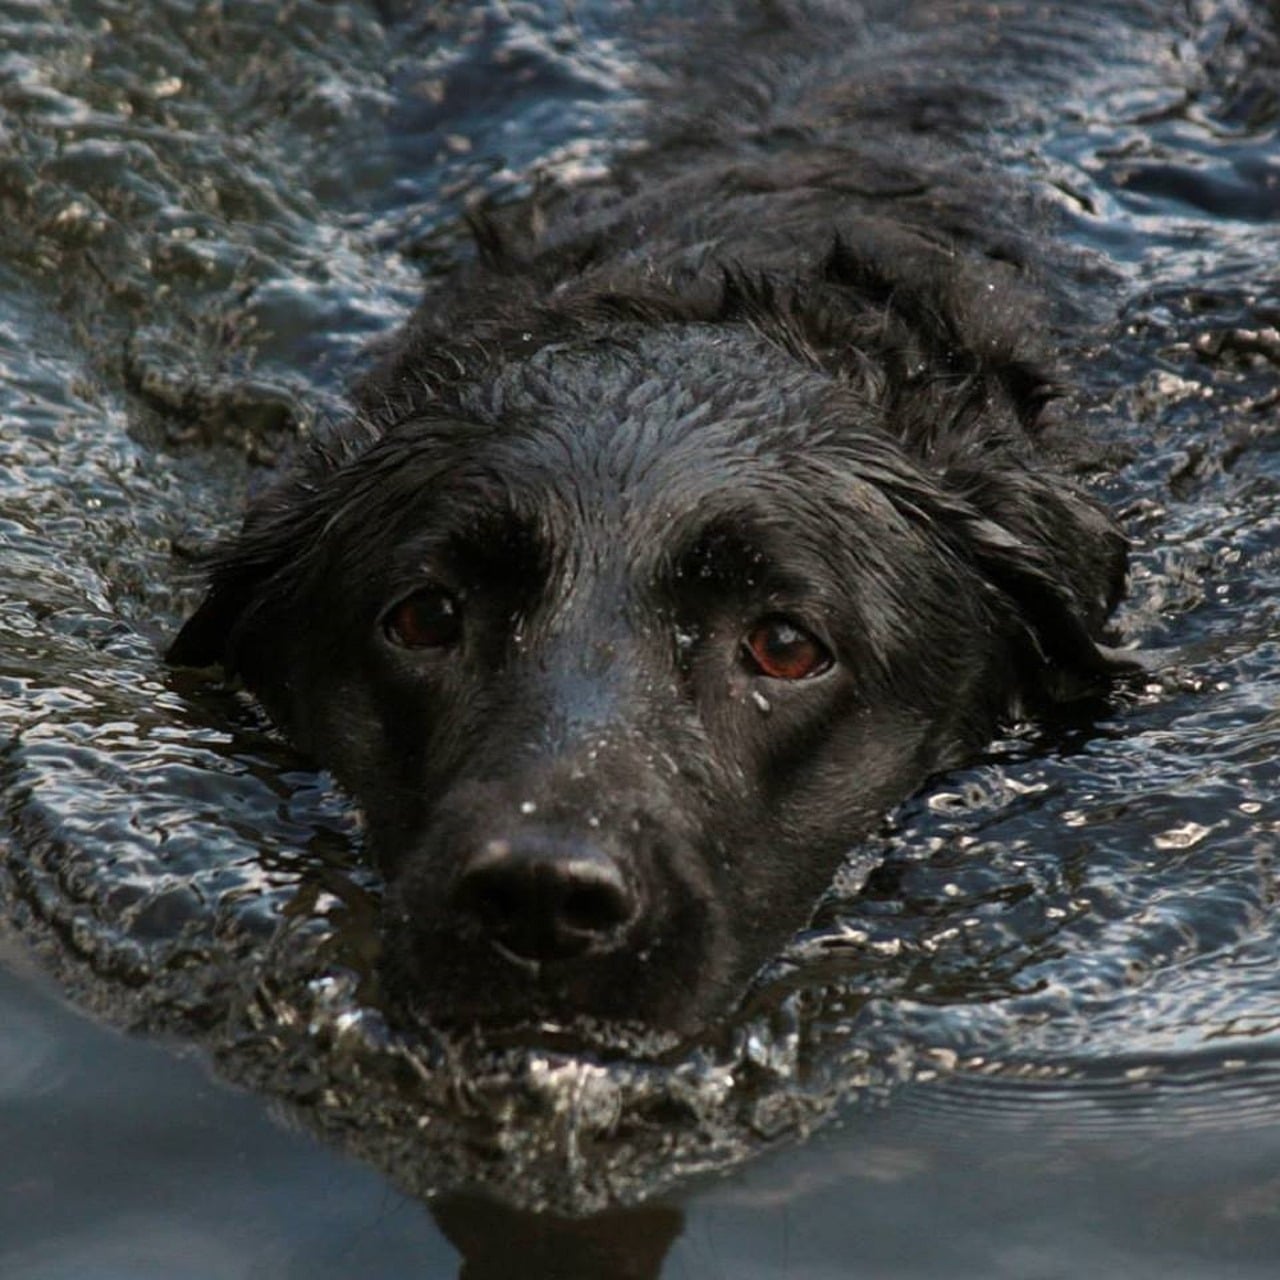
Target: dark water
(1043, 1042)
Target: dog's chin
(549, 1021)
(620, 1001)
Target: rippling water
(209, 209)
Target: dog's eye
(782, 650)
(428, 619)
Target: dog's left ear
(1058, 560)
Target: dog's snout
(542, 898)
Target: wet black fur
(791, 359)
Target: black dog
(690, 528)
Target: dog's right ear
(255, 577)
(205, 637)
(245, 577)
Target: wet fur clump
(693, 525)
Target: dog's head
(622, 639)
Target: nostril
(544, 899)
(493, 900)
(596, 907)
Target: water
(1044, 1039)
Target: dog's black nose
(544, 899)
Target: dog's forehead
(635, 447)
(648, 408)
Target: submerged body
(688, 530)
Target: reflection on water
(207, 213)
(497, 1242)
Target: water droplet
(528, 807)
(761, 701)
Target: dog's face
(623, 651)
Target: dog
(682, 533)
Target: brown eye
(781, 650)
(428, 619)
